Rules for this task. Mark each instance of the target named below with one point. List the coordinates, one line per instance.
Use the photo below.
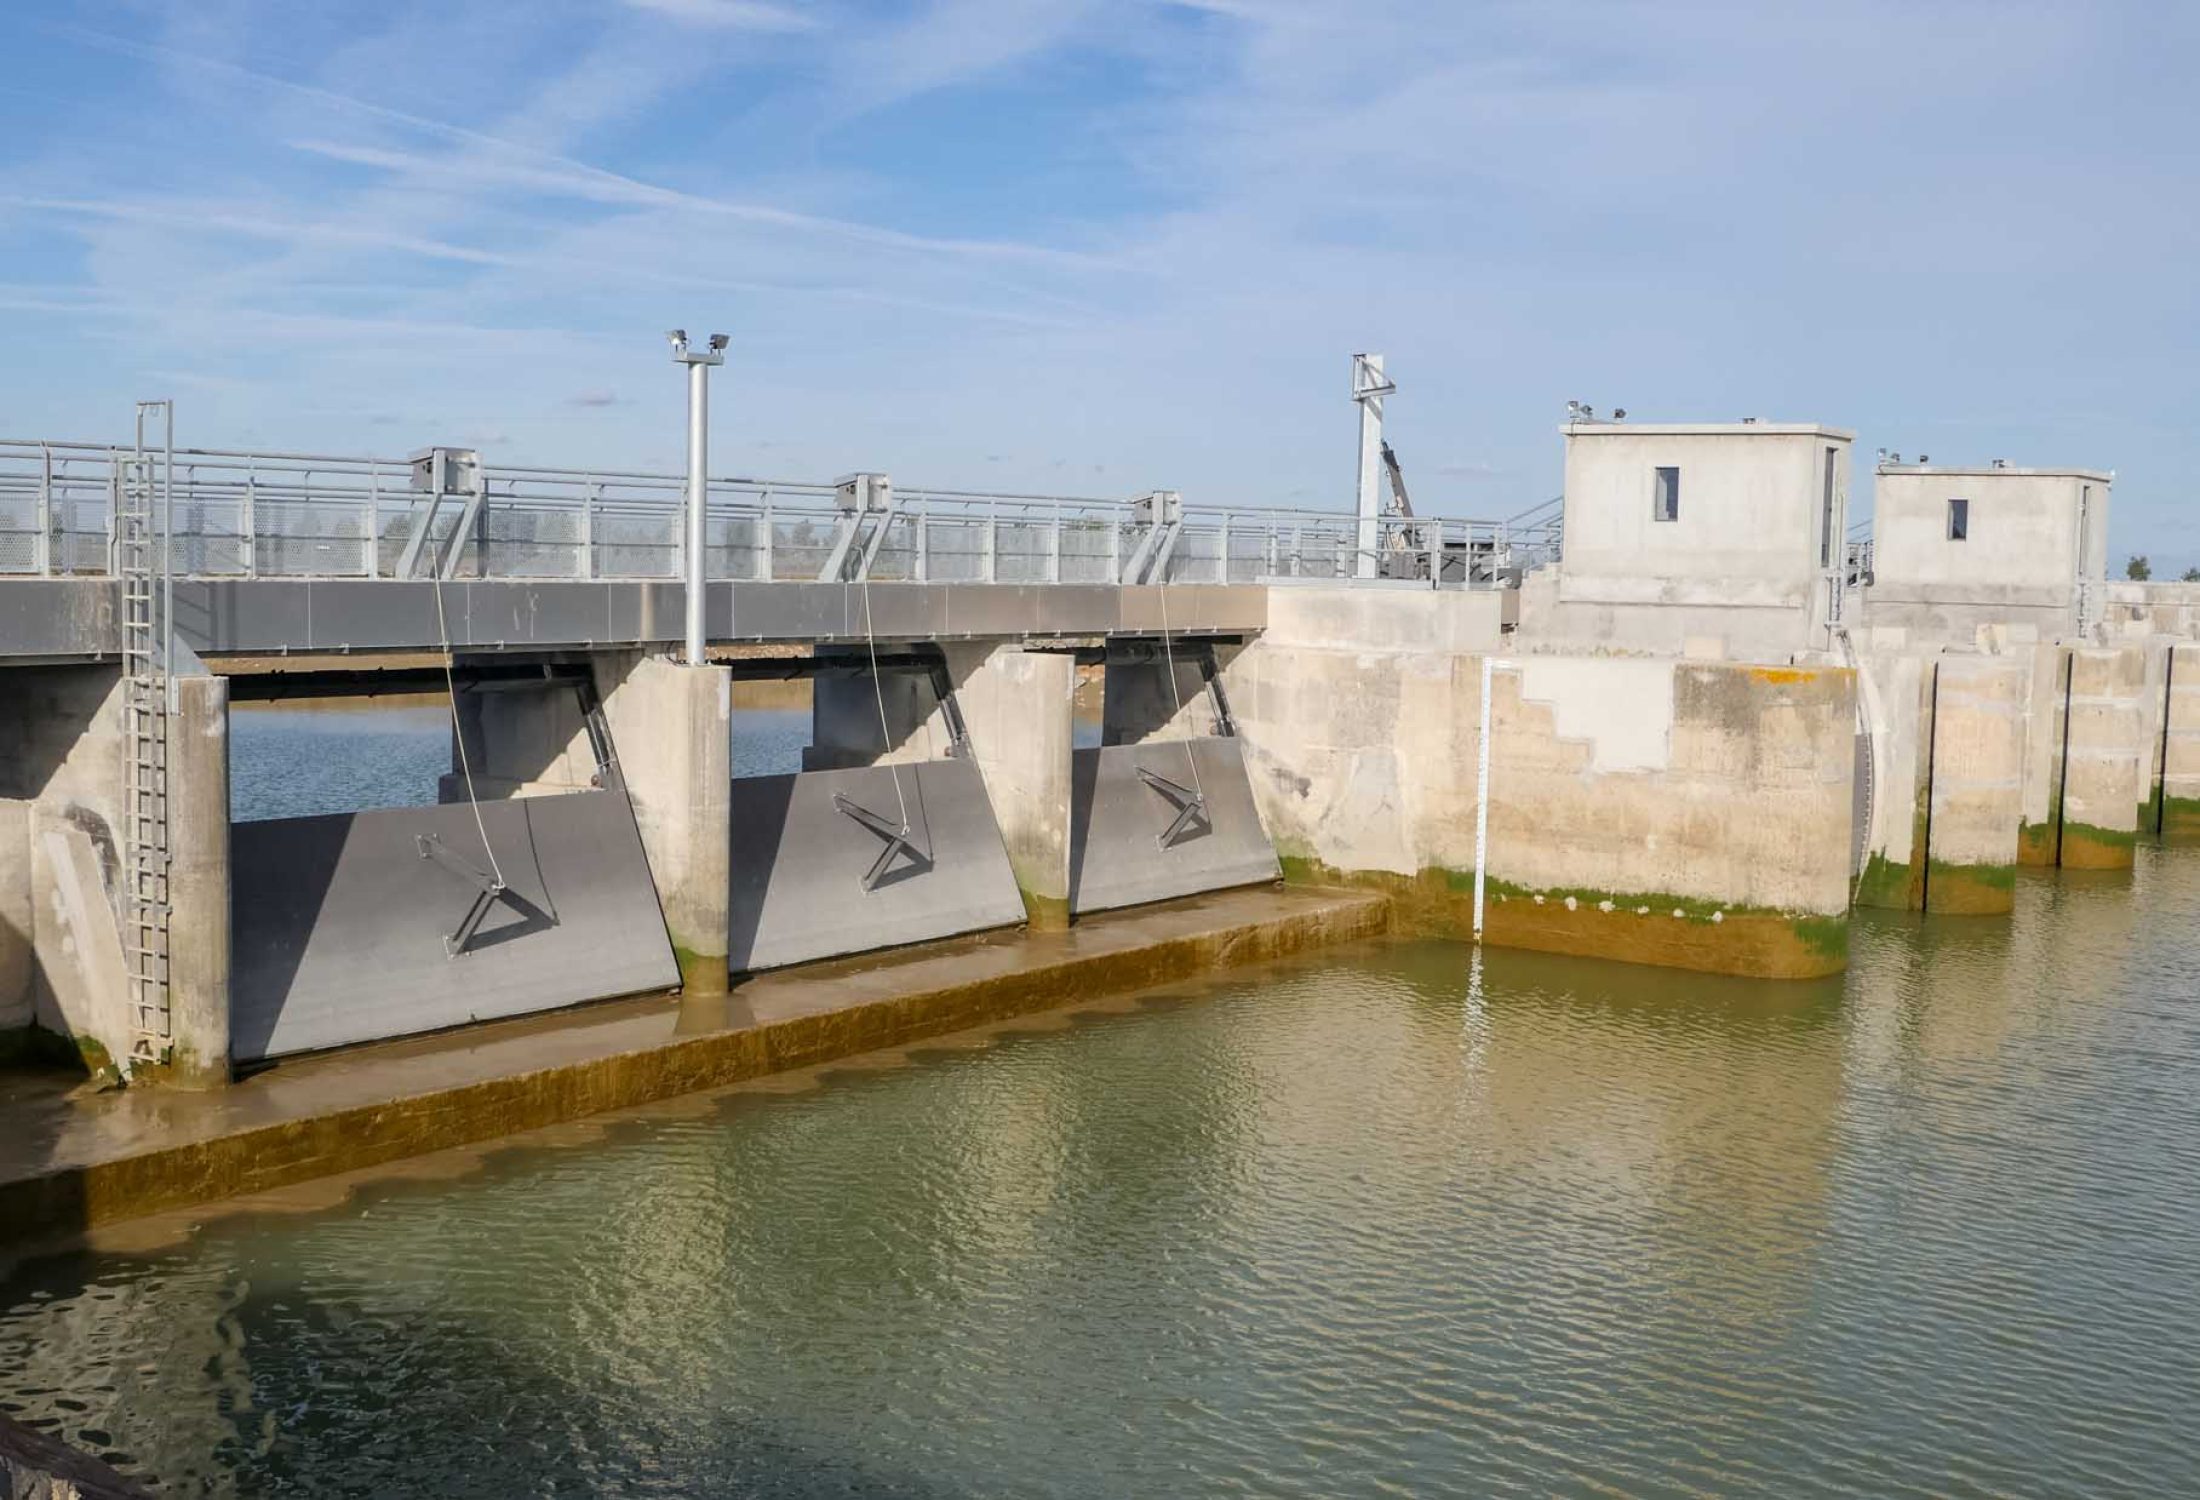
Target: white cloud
(746, 15)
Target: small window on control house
(1959, 520)
(1665, 502)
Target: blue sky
(1104, 247)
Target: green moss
(701, 973)
(1045, 913)
(1653, 927)
(1887, 884)
(2088, 846)
(2181, 819)
(2036, 843)
(1973, 890)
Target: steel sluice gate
(1162, 819)
(822, 866)
(354, 927)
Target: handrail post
(1054, 547)
(588, 529)
(1115, 548)
(920, 564)
(1222, 551)
(764, 543)
(992, 540)
(248, 522)
(42, 543)
(369, 563)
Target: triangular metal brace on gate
(896, 841)
(487, 890)
(1190, 806)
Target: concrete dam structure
(1692, 718)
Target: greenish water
(1371, 1224)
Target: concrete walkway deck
(71, 1164)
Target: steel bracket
(487, 891)
(1190, 807)
(897, 842)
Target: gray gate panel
(799, 863)
(1118, 820)
(338, 923)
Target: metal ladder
(142, 539)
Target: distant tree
(2138, 569)
(2192, 575)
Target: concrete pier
(1017, 705)
(199, 881)
(2180, 801)
(518, 739)
(2102, 758)
(1976, 784)
(845, 709)
(672, 726)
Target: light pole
(698, 362)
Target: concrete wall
(1687, 813)
(2153, 608)
(1748, 536)
(2180, 806)
(61, 773)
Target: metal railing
(296, 515)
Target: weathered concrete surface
(2046, 729)
(2102, 756)
(17, 970)
(2180, 813)
(845, 728)
(2033, 534)
(672, 732)
(1016, 706)
(1629, 786)
(67, 1165)
(198, 882)
(2153, 715)
(1896, 688)
(61, 777)
(1741, 562)
(2166, 608)
(518, 740)
(34, 1466)
(1977, 784)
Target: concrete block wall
(1976, 783)
(2103, 753)
(2047, 687)
(1696, 814)
(2178, 811)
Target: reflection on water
(1378, 1223)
